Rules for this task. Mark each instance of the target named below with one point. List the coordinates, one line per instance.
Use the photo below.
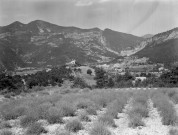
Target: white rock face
(41, 30)
(160, 38)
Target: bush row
(139, 109)
(166, 109)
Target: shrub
(53, 119)
(79, 83)
(113, 112)
(86, 90)
(83, 103)
(167, 111)
(141, 98)
(63, 133)
(89, 71)
(139, 109)
(27, 121)
(5, 125)
(74, 125)
(173, 132)
(101, 101)
(91, 110)
(36, 129)
(34, 113)
(20, 110)
(65, 90)
(84, 117)
(6, 132)
(175, 98)
(117, 105)
(42, 110)
(173, 95)
(9, 112)
(54, 116)
(99, 129)
(66, 108)
(114, 108)
(107, 120)
(103, 97)
(136, 121)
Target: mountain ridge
(161, 48)
(147, 36)
(40, 43)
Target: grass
(27, 121)
(173, 95)
(139, 109)
(5, 124)
(84, 116)
(107, 120)
(99, 129)
(141, 97)
(74, 125)
(83, 103)
(173, 131)
(8, 111)
(63, 133)
(6, 132)
(136, 121)
(66, 108)
(54, 116)
(102, 97)
(117, 106)
(35, 129)
(42, 110)
(91, 110)
(167, 111)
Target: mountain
(41, 43)
(161, 48)
(147, 36)
(120, 41)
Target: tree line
(105, 80)
(17, 84)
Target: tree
(79, 83)
(89, 71)
(127, 77)
(110, 83)
(101, 77)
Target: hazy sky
(137, 17)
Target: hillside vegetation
(40, 44)
(79, 77)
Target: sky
(137, 17)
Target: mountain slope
(41, 43)
(147, 36)
(161, 48)
(8, 57)
(120, 41)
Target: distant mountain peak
(39, 23)
(96, 29)
(15, 24)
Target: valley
(88, 67)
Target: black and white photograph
(88, 67)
